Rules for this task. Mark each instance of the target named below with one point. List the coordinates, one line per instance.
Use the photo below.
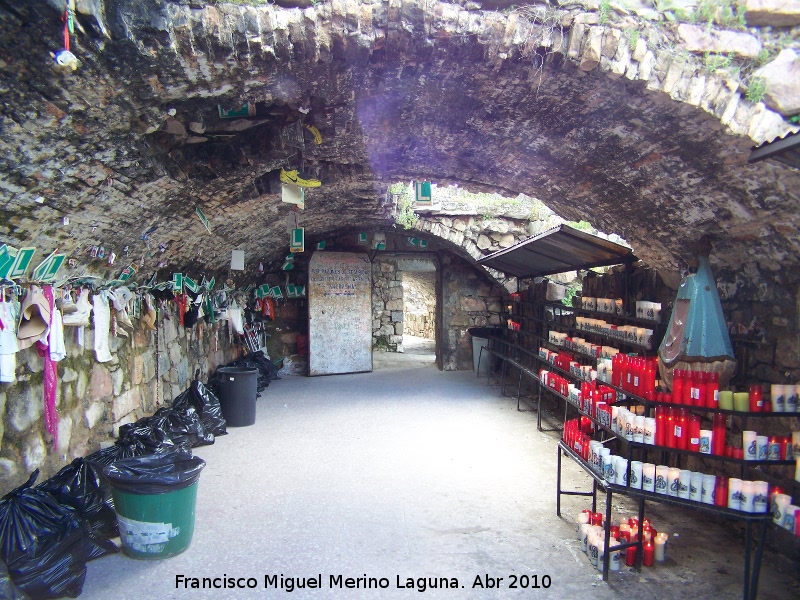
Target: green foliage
(404, 214)
(724, 13)
(633, 39)
(763, 58)
(569, 294)
(716, 62)
(757, 89)
(582, 226)
(605, 11)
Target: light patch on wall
(237, 260)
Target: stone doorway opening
(405, 327)
(419, 311)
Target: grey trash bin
(238, 390)
(477, 344)
(480, 339)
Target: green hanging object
(203, 218)
(46, 271)
(297, 241)
(423, 192)
(21, 262)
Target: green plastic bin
(155, 498)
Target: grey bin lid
(484, 332)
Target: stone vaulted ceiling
(128, 145)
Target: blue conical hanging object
(697, 336)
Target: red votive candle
(646, 532)
(721, 491)
(786, 443)
(756, 398)
(649, 553)
(615, 531)
(630, 556)
(597, 519)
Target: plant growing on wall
(404, 214)
(756, 89)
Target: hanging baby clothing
(235, 321)
(80, 316)
(8, 342)
(34, 318)
(102, 323)
(58, 350)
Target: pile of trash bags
(49, 532)
(257, 360)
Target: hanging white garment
(8, 368)
(84, 309)
(8, 343)
(102, 322)
(58, 350)
(235, 318)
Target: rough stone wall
(469, 299)
(95, 399)
(561, 106)
(419, 307)
(387, 306)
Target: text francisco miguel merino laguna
(289, 584)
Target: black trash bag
(265, 365)
(113, 453)
(145, 436)
(46, 545)
(149, 434)
(8, 589)
(184, 426)
(156, 473)
(205, 403)
(81, 485)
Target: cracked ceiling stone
(633, 137)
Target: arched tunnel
(158, 141)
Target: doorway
(419, 314)
(404, 312)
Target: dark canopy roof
(785, 150)
(556, 251)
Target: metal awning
(785, 150)
(556, 251)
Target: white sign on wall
(339, 313)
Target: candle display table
(758, 521)
(517, 348)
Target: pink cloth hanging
(50, 376)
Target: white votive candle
(661, 546)
(735, 493)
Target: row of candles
(591, 534)
(784, 513)
(733, 493)
(640, 336)
(671, 427)
(650, 311)
(637, 375)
